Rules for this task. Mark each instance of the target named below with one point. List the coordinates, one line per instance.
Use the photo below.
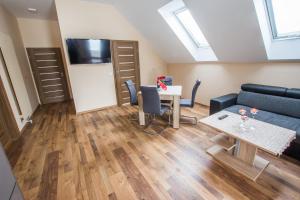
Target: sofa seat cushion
(274, 104)
(272, 118)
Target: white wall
(93, 85)
(220, 79)
(39, 33)
(18, 67)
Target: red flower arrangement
(160, 82)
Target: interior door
(8, 126)
(126, 67)
(49, 74)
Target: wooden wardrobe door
(49, 74)
(126, 67)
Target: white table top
(174, 90)
(268, 137)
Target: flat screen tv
(89, 51)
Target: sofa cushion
(275, 104)
(293, 93)
(272, 118)
(264, 89)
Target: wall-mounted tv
(89, 51)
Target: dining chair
(168, 80)
(152, 106)
(133, 98)
(190, 102)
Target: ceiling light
(32, 10)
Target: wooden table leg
(246, 152)
(176, 112)
(244, 160)
(232, 141)
(141, 111)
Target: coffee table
(237, 148)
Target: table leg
(141, 111)
(232, 141)
(176, 112)
(244, 159)
(246, 152)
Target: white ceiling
(45, 8)
(231, 27)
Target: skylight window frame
(272, 23)
(191, 36)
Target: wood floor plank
(48, 187)
(122, 188)
(181, 191)
(112, 196)
(137, 181)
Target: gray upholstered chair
(133, 97)
(152, 105)
(191, 102)
(168, 80)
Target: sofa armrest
(220, 103)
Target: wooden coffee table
(237, 149)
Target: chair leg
(151, 122)
(189, 117)
(169, 117)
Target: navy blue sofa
(277, 105)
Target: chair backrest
(132, 92)
(151, 100)
(168, 80)
(194, 92)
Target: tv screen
(89, 51)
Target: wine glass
(244, 118)
(242, 111)
(253, 111)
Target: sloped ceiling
(143, 14)
(45, 8)
(231, 28)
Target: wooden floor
(103, 155)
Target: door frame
(6, 113)
(138, 81)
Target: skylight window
(185, 27)
(284, 17)
(189, 24)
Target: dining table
(173, 94)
